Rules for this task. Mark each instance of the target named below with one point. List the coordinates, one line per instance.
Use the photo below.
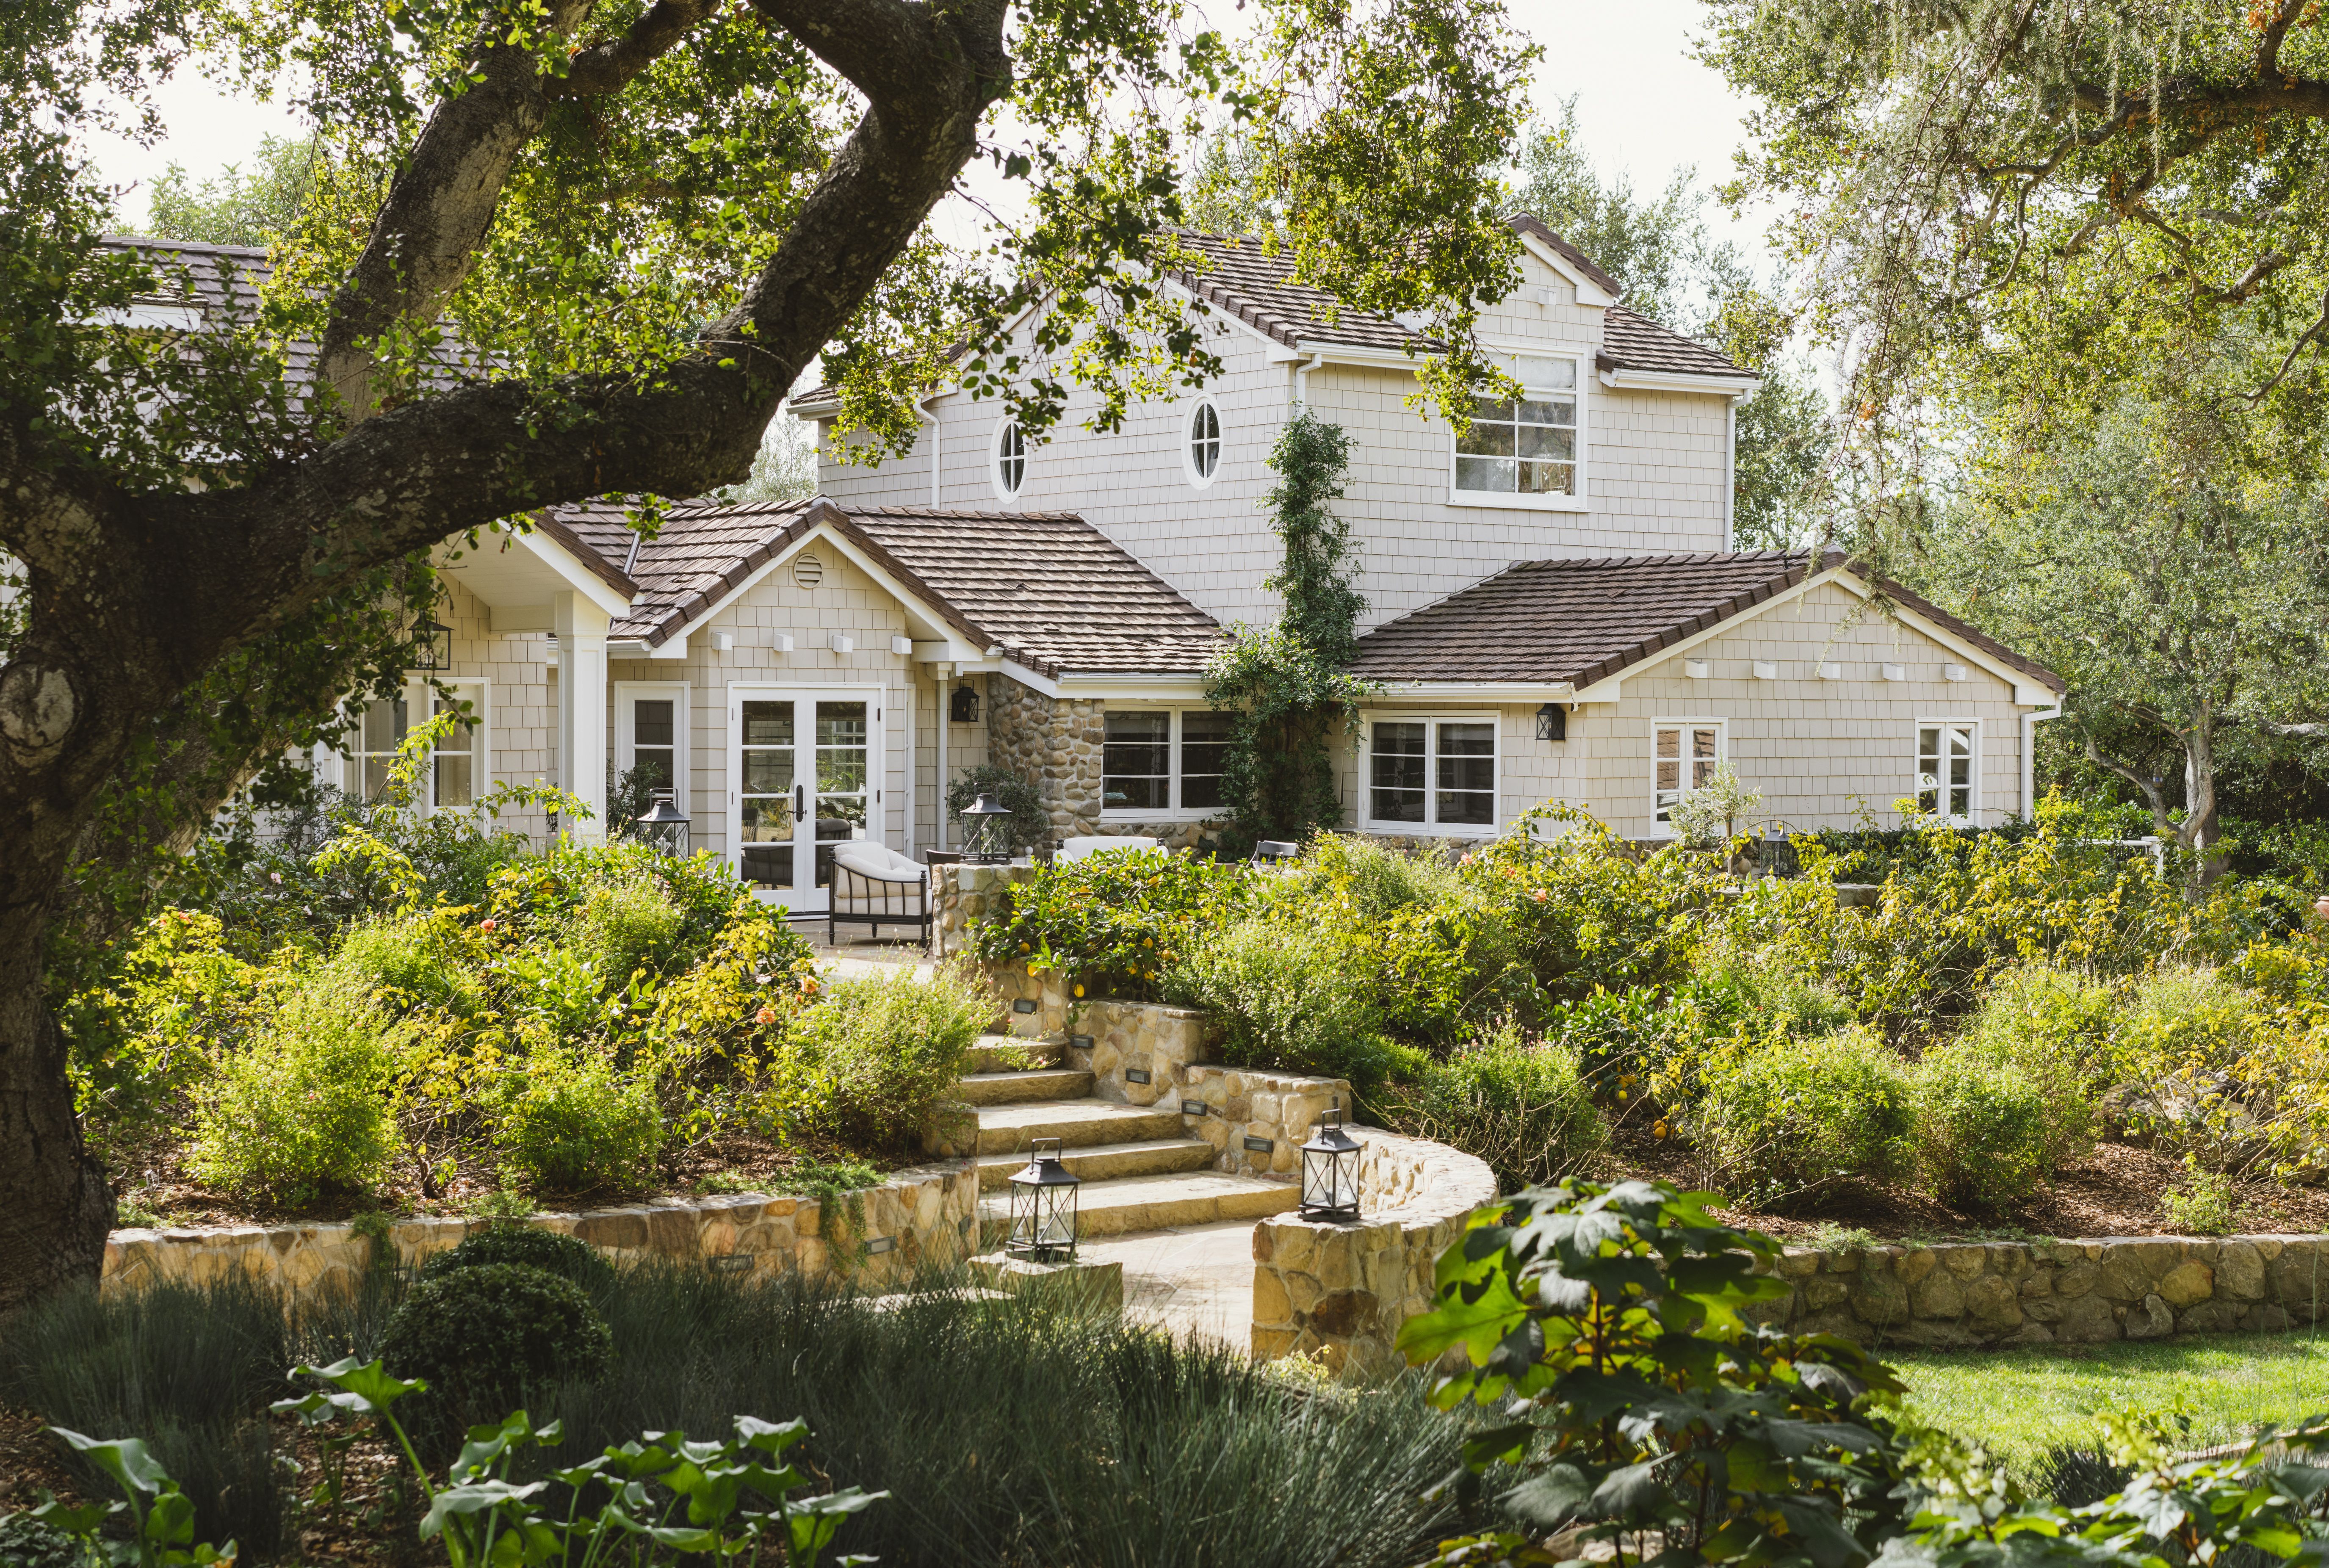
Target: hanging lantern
(1330, 1170)
(1043, 1208)
(963, 706)
(985, 838)
(1552, 723)
(432, 645)
(666, 825)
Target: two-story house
(1555, 610)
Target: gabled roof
(1632, 341)
(1240, 278)
(1047, 588)
(1548, 622)
(1537, 228)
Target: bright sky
(1645, 105)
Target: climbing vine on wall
(1290, 684)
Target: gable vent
(807, 572)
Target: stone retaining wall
(2021, 1293)
(1258, 1121)
(925, 1216)
(1346, 1289)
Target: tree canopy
(559, 249)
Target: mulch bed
(2115, 1193)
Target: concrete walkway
(1196, 1280)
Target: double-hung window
(1947, 779)
(1431, 773)
(1162, 762)
(455, 774)
(1683, 756)
(651, 736)
(1531, 450)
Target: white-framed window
(460, 770)
(1007, 455)
(1162, 762)
(1200, 450)
(1432, 774)
(651, 733)
(1683, 755)
(1949, 773)
(1531, 452)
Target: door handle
(800, 801)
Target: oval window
(1204, 452)
(1009, 459)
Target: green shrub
(869, 1061)
(531, 1246)
(2053, 1026)
(425, 958)
(629, 925)
(482, 1337)
(1984, 1130)
(1028, 823)
(2202, 1203)
(307, 1108)
(571, 1122)
(1288, 998)
(1779, 1122)
(1522, 1107)
(1111, 924)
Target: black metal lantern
(432, 645)
(963, 706)
(666, 825)
(1043, 1208)
(984, 840)
(1552, 723)
(1330, 1170)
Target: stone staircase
(1140, 1171)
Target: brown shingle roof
(1632, 341)
(1536, 228)
(1544, 622)
(1048, 588)
(1235, 275)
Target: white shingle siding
(1654, 473)
(1819, 751)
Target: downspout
(1302, 381)
(1730, 475)
(2029, 759)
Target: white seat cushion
(879, 861)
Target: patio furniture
(873, 886)
(1077, 848)
(1268, 852)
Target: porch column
(582, 628)
(944, 674)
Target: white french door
(804, 766)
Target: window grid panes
(1160, 762)
(454, 770)
(654, 743)
(1205, 440)
(1010, 458)
(1944, 769)
(1684, 758)
(1527, 448)
(1432, 773)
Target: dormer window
(1527, 449)
(1009, 459)
(1202, 453)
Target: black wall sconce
(1552, 723)
(963, 706)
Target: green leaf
(126, 1459)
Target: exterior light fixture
(432, 645)
(1330, 1170)
(1552, 723)
(1043, 1208)
(963, 706)
(984, 840)
(665, 826)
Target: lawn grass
(2019, 1404)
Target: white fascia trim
(1587, 291)
(908, 600)
(1134, 689)
(1478, 690)
(1674, 380)
(1352, 354)
(573, 573)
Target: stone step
(1002, 1054)
(1008, 1088)
(1075, 1123)
(1103, 1162)
(1148, 1202)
